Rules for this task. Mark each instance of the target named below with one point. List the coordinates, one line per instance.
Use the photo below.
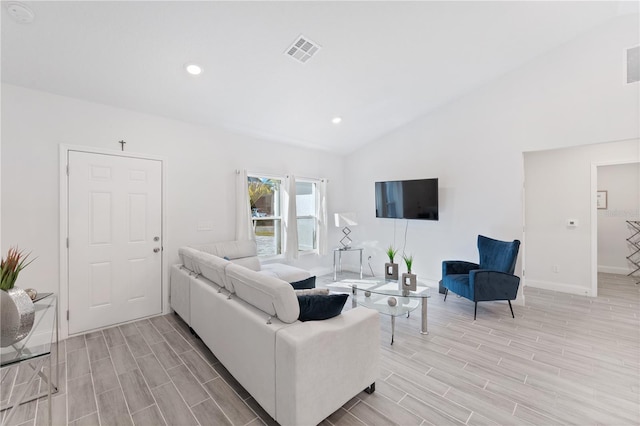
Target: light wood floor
(563, 360)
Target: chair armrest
(451, 267)
(493, 285)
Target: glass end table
(34, 351)
(388, 298)
(338, 266)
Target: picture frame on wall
(601, 200)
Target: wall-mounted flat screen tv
(407, 199)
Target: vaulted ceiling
(380, 65)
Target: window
(306, 199)
(265, 198)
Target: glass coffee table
(388, 298)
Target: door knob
(155, 250)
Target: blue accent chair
(492, 279)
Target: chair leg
(475, 311)
(512, 316)
(446, 291)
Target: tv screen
(407, 199)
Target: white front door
(115, 241)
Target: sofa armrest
(454, 267)
(493, 285)
(320, 365)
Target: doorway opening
(615, 189)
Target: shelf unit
(634, 240)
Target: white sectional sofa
(299, 372)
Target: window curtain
(244, 227)
(289, 219)
(321, 214)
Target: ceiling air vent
(633, 64)
(302, 49)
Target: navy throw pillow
(320, 307)
(304, 284)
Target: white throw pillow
(309, 291)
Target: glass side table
(35, 351)
(338, 252)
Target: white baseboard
(562, 287)
(614, 270)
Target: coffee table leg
(354, 292)
(393, 327)
(423, 330)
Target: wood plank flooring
(564, 359)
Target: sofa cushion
(243, 253)
(187, 257)
(269, 294)
(286, 273)
(304, 284)
(459, 284)
(212, 268)
(230, 249)
(248, 262)
(321, 307)
(207, 248)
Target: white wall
(558, 188)
(201, 164)
(622, 183)
(571, 96)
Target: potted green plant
(11, 266)
(391, 268)
(16, 306)
(409, 282)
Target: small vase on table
(409, 282)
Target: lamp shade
(346, 219)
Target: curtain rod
(271, 174)
(309, 178)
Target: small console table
(339, 251)
(33, 352)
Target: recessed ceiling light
(336, 120)
(193, 69)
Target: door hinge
(67, 242)
(67, 170)
(67, 315)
